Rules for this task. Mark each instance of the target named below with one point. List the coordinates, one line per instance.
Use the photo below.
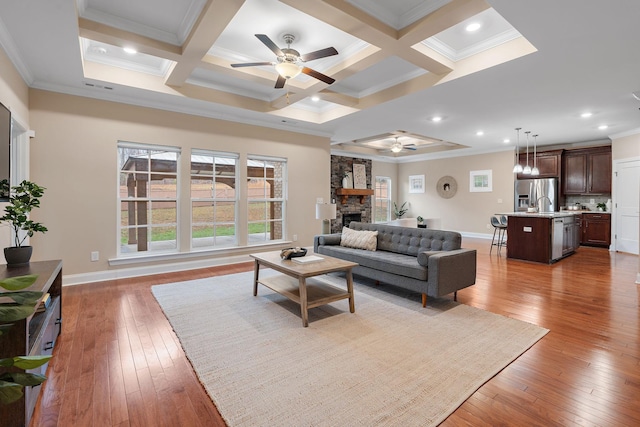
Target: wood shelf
(358, 192)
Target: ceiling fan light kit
(289, 62)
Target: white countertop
(543, 214)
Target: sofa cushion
(401, 265)
(367, 240)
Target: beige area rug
(391, 363)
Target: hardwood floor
(118, 362)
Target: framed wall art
(480, 181)
(359, 176)
(416, 183)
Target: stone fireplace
(354, 208)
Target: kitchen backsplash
(589, 202)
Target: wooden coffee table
(298, 283)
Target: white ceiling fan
(289, 62)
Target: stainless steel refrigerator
(541, 193)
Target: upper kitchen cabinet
(587, 171)
(548, 163)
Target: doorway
(627, 206)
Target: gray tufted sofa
(427, 261)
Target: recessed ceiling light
(129, 50)
(436, 119)
(602, 127)
(480, 133)
(586, 115)
(315, 98)
(506, 140)
(475, 26)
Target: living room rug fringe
(391, 363)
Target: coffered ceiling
(400, 64)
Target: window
(266, 193)
(214, 199)
(148, 198)
(382, 197)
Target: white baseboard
(123, 273)
(477, 235)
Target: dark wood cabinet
(548, 163)
(35, 335)
(587, 171)
(529, 238)
(596, 229)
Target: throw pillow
(363, 239)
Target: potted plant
(398, 212)
(23, 199)
(21, 305)
(421, 223)
(602, 207)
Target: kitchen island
(544, 237)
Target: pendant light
(518, 167)
(535, 171)
(527, 168)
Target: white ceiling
(536, 65)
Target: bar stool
(500, 229)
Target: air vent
(98, 86)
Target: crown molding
(10, 48)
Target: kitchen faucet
(542, 197)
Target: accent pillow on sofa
(364, 239)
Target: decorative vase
(18, 256)
(345, 182)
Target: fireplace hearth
(347, 218)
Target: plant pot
(18, 256)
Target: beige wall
(627, 147)
(74, 156)
(465, 212)
(14, 92)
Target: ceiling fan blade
(410, 147)
(322, 53)
(271, 45)
(280, 82)
(251, 64)
(318, 75)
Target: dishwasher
(557, 238)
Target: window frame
(149, 199)
(236, 200)
(265, 199)
(376, 198)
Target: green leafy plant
(398, 212)
(23, 199)
(21, 305)
(420, 219)
(602, 206)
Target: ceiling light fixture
(129, 50)
(475, 26)
(480, 133)
(527, 168)
(517, 168)
(603, 127)
(506, 140)
(535, 171)
(586, 115)
(288, 70)
(315, 98)
(436, 119)
(397, 146)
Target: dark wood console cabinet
(35, 335)
(587, 171)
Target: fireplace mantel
(358, 192)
